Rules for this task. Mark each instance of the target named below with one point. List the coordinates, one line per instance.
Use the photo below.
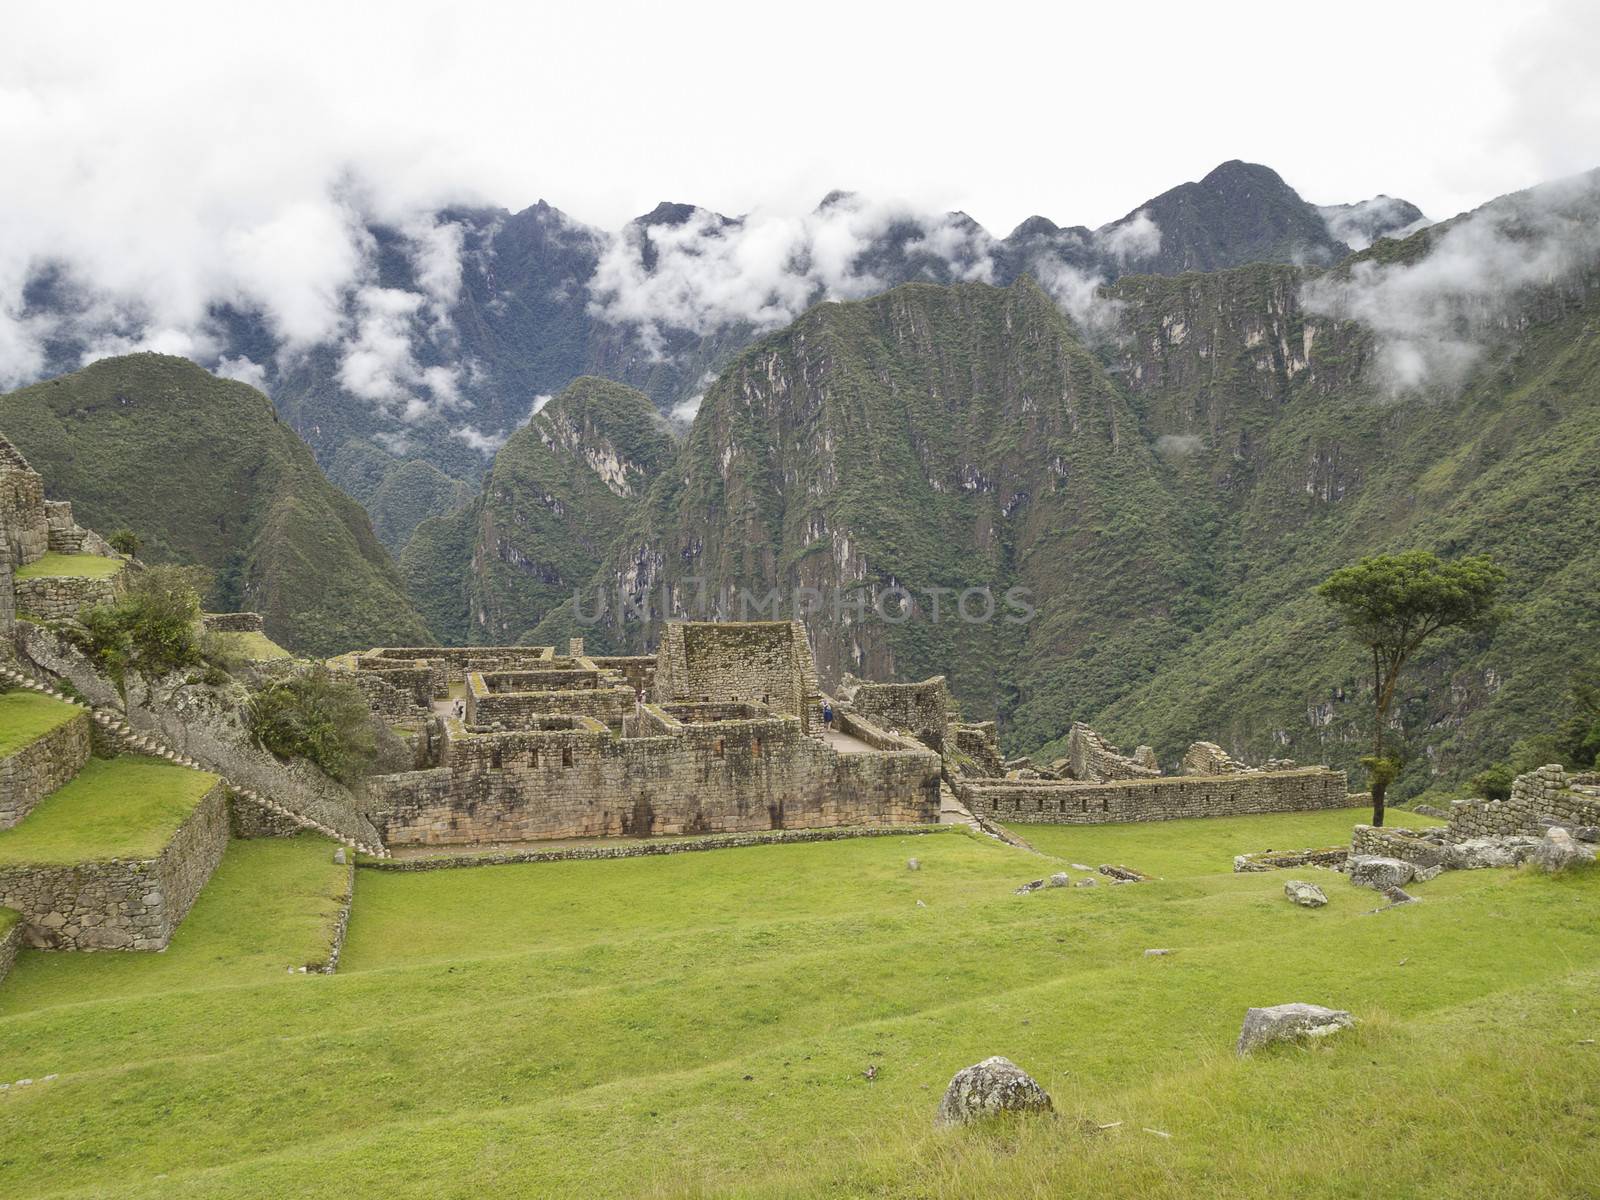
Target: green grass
(257, 647)
(126, 807)
(700, 1025)
(25, 717)
(1201, 847)
(269, 907)
(81, 566)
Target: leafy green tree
(126, 541)
(1391, 604)
(1578, 735)
(317, 716)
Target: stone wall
(249, 820)
(512, 709)
(1092, 759)
(766, 661)
(388, 702)
(1158, 799)
(979, 742)
(921, 710)
(1548, 792)
(730, 776)
(120, 904)
(238, 622)
(10, 941)
(23, 523)
(43, 765)
(1421, 846)
(637, 670)
(62, 597)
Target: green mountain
(398, 494)
(202, 469)
(1169, 499)
(560, 490)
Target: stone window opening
(533, 758)
(566, 756)
(495, 759)
(755, 745)
(718, 747)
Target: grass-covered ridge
(203, 470)
(79, 566)
(126, 807)
(545, 1029)
(25, 717)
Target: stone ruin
(1095, 783)
(719, 732)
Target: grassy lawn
(85, 566)
(25, 717)
(124, 807)
(269, 906)
(701, 1024)
(257, 647)
(1200, 847)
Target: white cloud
(685, 410)
(1359, 225)
(538, 406)
(244, 370)
(1080, 293)
(1432, 317)
(488, 444)
(378, 363)
(1128, 241)
(765, 269)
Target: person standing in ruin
(827, 715)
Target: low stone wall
(328, 963)
(1332, 857)
(1412, 845)
(512, 709)
(61, 597)
(1548, 792)
(726, 841)
(120, 904)
(1159, 799)
(1092, 759)
(43, 765)
(239, 622)
(10, 942)
(387, 702)
(249, 820)
(638, 670)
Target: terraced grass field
(123, 807)
(86, 566)
(703, 1024)
(25, 717)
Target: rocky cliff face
(560, 490)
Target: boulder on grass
(1060, 879)
(1558, 850)
(1289, 1022)
(1377, 872)
(996, 1085)
(1306, 895)
(1474, 854)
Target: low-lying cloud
(1433, 318)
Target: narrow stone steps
(153, 746)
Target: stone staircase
(117, 727)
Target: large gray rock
(1475, 854)
(1060, 879)
(1306, 895)
(1377, 872)
(1289, 1022)
(996, 1085)
(1558, 850)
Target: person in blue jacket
(827, 715)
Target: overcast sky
(1002, 109)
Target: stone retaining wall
(732, 776)
(1412, 845)
(921, 710)
(239, 622)
(249, 820)
(1273, 860)
(1158, 799)
(120, 904)
(61, 597)
(10, 943)
(39, 768)
(328, 963)
(731, 841)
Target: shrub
(126, 541)
(1494, 783)
(317, 716)
(152, 629)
